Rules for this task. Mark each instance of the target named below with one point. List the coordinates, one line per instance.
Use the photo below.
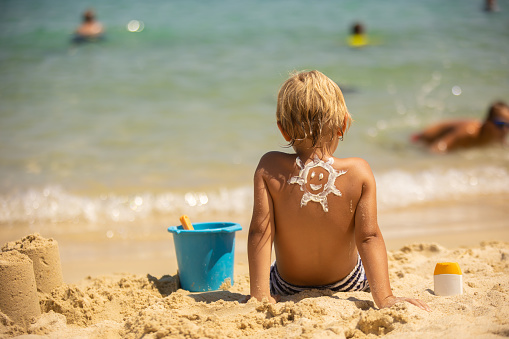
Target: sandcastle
(45, 257)
(26, 266)
(18, 296)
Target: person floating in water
(456, 134)
(358, 36)
(319, 211)
(491, 6)
(90, 29)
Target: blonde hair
(310, 105)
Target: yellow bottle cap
(447, 268)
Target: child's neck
(323, 149)
(321, 152)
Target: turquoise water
(173, 119)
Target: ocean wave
(54, 204)
(399, 188)
(396, 189)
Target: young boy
(318, 210)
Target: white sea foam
(396, 188)
(54, 204)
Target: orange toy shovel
(186, 223)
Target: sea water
(173, 118)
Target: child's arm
(260, 238)
(371, 245)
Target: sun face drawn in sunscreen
(448, 279)
(318, 190)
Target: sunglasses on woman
(500, 124)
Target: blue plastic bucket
(205, 255)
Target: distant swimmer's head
(358, 28)
(490, 6)
(89, 16)
(498, 109)
(311, 106)
(498, 114)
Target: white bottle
(448, 279)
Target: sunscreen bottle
(448, 279)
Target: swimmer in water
(358, 36)
(319, 211)
(90, 29)
(447, 136)
(491, 6)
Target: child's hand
(392, 300)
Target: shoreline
(160, 260)
(451, 240)
(453, 224)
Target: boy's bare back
(314, 247)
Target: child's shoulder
(275, 161)
(356, 165)
(276, 156)
(354, 162)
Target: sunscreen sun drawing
(329, 187)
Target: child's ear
(285, 135)
(342, 130)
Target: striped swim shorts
(355, 281)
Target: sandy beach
(105, 145)
(129, 297)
